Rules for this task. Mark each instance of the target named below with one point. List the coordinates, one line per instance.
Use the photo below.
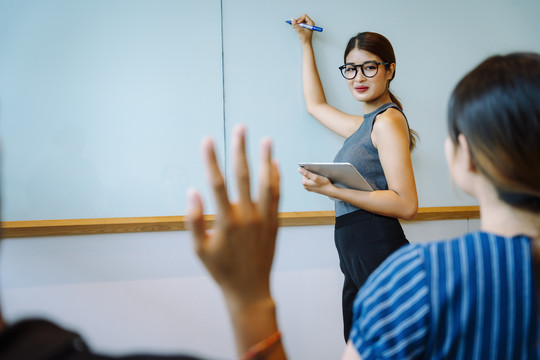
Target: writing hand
(303, 34)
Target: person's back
(470, 297)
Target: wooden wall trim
(38, 228)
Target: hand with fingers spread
(239, 252)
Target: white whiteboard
(103, 103)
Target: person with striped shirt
(476, 296)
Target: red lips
(361, 89)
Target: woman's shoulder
(419, 257)
(389, 127)
(483, 249)
(470, 243)
(390, 117)
(479, 239)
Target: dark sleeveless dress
(363, 239)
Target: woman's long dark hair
(497, 108)
(379, 45)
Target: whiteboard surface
(103, 104)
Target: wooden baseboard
(38, 228)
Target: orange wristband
(261, 346)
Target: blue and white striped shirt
(473, 297)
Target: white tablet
(340, 174)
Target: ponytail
(395, 100)
(413, 135)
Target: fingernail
(192, 198)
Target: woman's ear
(390, 71)
(465, 153)
(461, 164)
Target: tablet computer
(340, 174)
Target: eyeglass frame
(361, 66)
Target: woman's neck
(371, 106)
(500, 218)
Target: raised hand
(303, 34)
(239, 251)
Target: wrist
(252, 321)
(242, 306)
(262, 347)
(333, 191)
(306, 44)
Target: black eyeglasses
(369, 69)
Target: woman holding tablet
(377, 143)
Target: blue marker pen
(306, 26)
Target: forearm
(253, 322)
(313, 90)
(381, 202)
